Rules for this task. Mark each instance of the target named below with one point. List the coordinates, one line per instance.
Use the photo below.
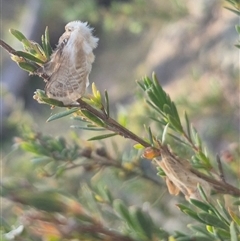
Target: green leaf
(204, 159)
(200, 230)
(47, 201)
(174, 122)
(87, 128)
(234, 216)
(224, 211)
(150, 136)
(17, 35)
(179, 140)
(144, 222)
(221, 233)
(26, 43)
(41, 160)
(188, 126)
(47, 43)
(108, 194)
(237, 27)
(102, 137)
(233, 232)
(202, 193)
(198, 141)
(107, 102)
(205, 207)
(29, 56)
(189, 212)
(164, 134)
(237, 203)
(62, 114)
(93, 118)
(212, 220)
(154, 107)
(27, 66)
(167, 110)
(138, 146)
(33, 148)
(174, 111)
(120, 208)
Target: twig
(220, 187)
(112, 125)
(8, 48)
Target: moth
(179, 177)
(70, 64)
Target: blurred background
(188, 44)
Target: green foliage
(133, 16)
(83, 209)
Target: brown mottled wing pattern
(180, 176)
(69, 76)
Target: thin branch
(8, 48)
(112, 125)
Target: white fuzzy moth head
(71, 63)
(77, 30)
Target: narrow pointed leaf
(27, 67)
(17, 34)
(120, 208)
(204, 206)
(177, 126)
(150, 136)
(202, 193)
(164, 134)
(189, 212)
(47, 43)
(62, 114)
(138, 146)
(144, 222)
(188, 126)
(179, 139)
(93, 118)
(234, 216)
(212, 220)
(224, 211)
(44, 45)
(102, 137)
(29, 56)
(167, 109)
(237, 27)
(107, 102)
(87, 128)
(200, 229)
(233, 232)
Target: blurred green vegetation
(50, 181)
(118, 15)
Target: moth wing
(68, 82)
(53, 65)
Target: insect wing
(68, 83)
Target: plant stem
(112, 125)
(8, 48)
